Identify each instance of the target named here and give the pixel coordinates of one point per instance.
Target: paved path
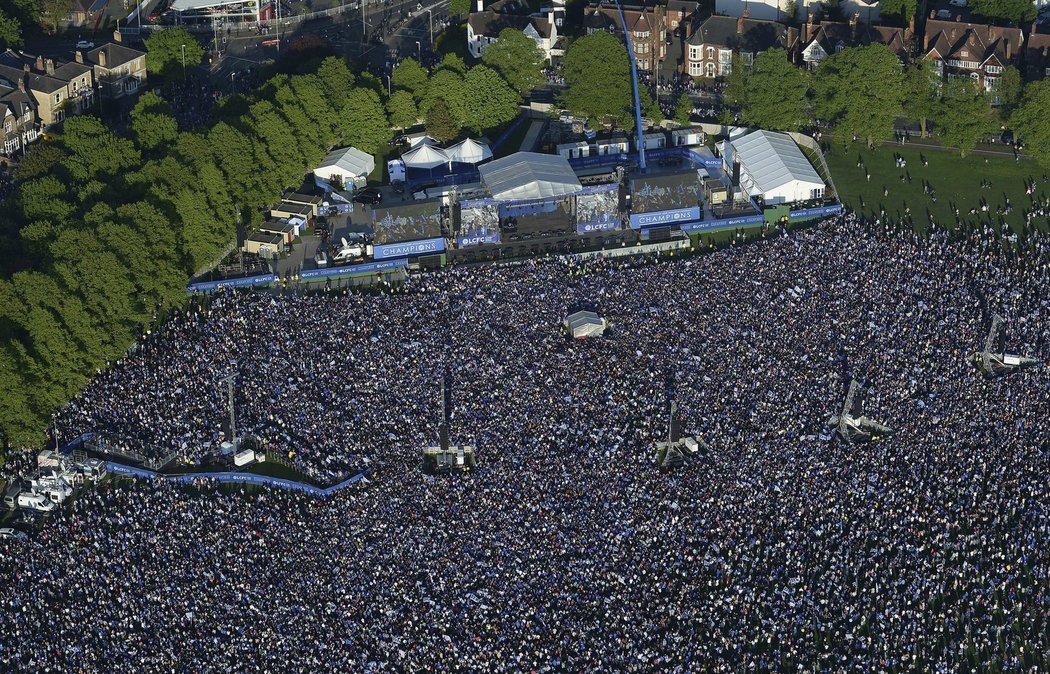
(532, 135)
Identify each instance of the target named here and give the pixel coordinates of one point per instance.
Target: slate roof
(757, 35)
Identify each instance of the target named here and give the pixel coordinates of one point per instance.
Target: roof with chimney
(1037, 55)
(982, 43)
(491, 24)
(835, 35)
(603, 15)
(116, 55)
(14, 101)
(741, 34)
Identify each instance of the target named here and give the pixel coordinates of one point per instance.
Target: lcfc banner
(591, 227)
(248, 282)
(351, 270)
(815, 212)
(671, 217)
(477, 237)
(409, 249)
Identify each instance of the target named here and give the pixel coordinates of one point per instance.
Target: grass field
(956, 182)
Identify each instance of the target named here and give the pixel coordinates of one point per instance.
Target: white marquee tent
(529, 175)
(345, 164)
(772, 166)
(583, 324)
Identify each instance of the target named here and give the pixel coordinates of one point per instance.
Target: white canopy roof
(585, 324)
(424, 156)
(348, 159)
(529, 175)
(469, 151)
(773, 160)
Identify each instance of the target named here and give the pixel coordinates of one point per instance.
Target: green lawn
(956, 181)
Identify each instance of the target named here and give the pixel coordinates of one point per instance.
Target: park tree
(861, 90)
(54, 13)
(172, 53)
(683, 110)
(459, 7)
(152, 125)
(491, 102)
(451, 87)
(922, 87)
(440, 123)
(1031, 123)
(337, 81)
(39, 160)
(402, 110)
(411, 76)
(964, 114)
(775, 92)
(454, 62)
(1017, 11)
(898, 12)
(516, 57)
(10, 32)
(95, 151)
(597, 81)
(735, 93)
(1009, 90)
(364, 122)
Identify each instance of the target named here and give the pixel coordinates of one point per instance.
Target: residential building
(119, 69)
(485, 25)
(57, 89)
(18, 110)
(778, 10)
(977, 51)
(710, 49)
(1037, 55)
(648, 23)
(820, 40)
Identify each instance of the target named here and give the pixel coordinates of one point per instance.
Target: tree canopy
(774, 93)
(597, 80)
(1017, 11)
(964, 114)
(490, 100)
(411, 76)
(1031, 123)
(402, 109)
(516, 57)
(440, 123)
(921, 86)
(861, 90)
(164, 53)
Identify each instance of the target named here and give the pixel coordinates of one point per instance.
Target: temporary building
(469, 151)
(772, 167)
(344, 165)
(583, 324)
(529, 175)
(424, 156)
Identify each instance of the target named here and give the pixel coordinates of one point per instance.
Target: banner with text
(673, 216)
(352, 270)
(409, 249)
(247, 282)
(808, 213)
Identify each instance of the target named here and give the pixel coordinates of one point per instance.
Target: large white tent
(468, 151)
(529, 175)
(345, 165)
(424, 156)
(772, 166)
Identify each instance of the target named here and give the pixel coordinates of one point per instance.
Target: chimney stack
(740, 25)
(933, 14)
(117, 37)
(102, 57)
(1009, 49)
(79, 56)
(958, 18)
(49, 66)
(481, 6)
(40, 63)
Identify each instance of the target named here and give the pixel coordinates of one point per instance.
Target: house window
(994, 70)
(725, 56)
(711, 53)
(674, 23)
(964, 54)
(725, 69)
(817, 193)
(694, 53)
(8, 125)
(695, 69)
(749, 58)
(58, 98)
(641, 36)
(711, 70)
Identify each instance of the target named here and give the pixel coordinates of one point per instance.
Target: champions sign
(409, 249)
(660, 218)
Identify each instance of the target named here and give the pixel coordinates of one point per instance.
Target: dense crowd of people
(779, 549)
(192, 99)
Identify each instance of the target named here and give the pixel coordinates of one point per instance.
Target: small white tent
(468, 151)
(424, 157)
(582, 324)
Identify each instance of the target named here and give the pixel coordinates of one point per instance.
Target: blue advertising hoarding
(807, 213)
(669, 217)
(247, 282)
(409, 249)
(352, 270)
(477, 237)
(234, 478)
(741, 221)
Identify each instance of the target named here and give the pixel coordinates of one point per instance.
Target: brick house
(977, 51)
(485, 25)
(648, 23)
(1037, 55)
(710, 49)
(820, 40)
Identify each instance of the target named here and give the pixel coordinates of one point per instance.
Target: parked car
(8, 532)
(368, 196)
(85, 44)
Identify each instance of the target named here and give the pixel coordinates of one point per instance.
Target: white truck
(53, 486)
(243, 457)
(28, 500)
